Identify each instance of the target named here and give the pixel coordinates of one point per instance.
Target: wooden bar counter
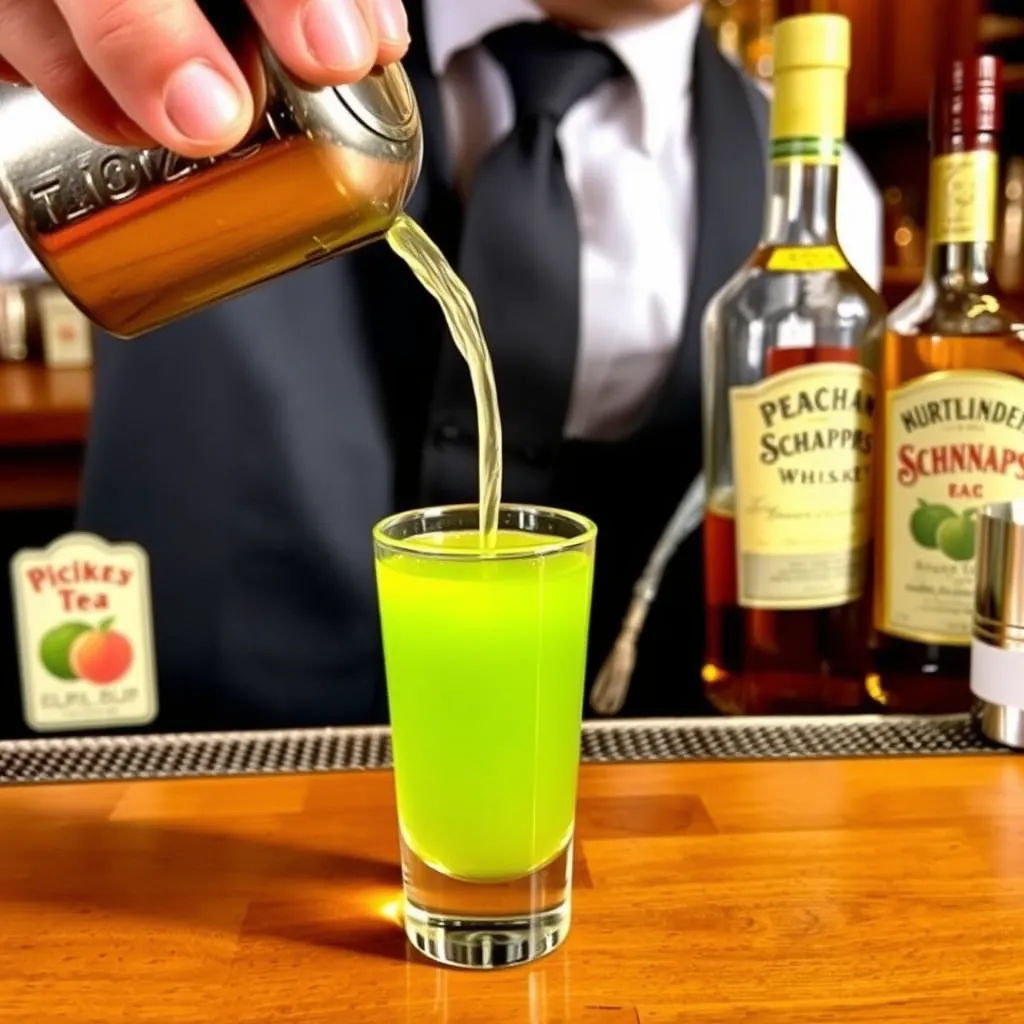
(881, 890)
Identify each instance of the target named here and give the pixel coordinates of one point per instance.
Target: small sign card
(85, 635)
(66, 333)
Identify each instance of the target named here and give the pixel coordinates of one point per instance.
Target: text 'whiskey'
(951, 430)
(791, 349)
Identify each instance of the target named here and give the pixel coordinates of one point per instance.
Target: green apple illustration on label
(955, 537)
(76, 651)
(925, 522)
(55, 649)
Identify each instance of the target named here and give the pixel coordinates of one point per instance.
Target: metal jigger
(138, 238)
(997, 644)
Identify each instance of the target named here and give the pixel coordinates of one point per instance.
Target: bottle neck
(962, 216)
(962, 266)
(801, 205)
(807, 127)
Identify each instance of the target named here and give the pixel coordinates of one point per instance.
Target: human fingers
(38, 47)
(392, 29)
(329, 42)
(167, 69)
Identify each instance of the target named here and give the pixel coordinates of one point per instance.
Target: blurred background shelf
(896, 46)
(44, 422)
(40, 406)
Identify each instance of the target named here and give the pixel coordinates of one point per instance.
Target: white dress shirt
(630, 163)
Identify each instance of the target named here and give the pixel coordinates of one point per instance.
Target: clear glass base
(487, 925)
(486, 942)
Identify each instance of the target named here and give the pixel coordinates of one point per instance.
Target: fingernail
(336, 34)
(201, 103)
(392, 20)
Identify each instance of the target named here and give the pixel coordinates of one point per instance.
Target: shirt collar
(658, 55)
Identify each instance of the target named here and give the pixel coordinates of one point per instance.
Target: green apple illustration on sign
(76, 651)
(938, 527)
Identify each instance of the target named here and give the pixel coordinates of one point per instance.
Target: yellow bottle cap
(811, 41)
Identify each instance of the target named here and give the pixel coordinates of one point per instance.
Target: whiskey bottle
(951, 397)
(791, 345)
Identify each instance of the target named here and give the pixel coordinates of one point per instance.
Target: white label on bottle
(67, 333)
(801, 454)
(954, 442)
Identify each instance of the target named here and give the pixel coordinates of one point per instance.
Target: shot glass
(485, 653)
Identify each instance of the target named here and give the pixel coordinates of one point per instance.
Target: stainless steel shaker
(138, 238)
(997, 643)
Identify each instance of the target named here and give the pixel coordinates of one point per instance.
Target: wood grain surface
(881, 891)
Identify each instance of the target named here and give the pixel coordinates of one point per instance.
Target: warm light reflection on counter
(392, 909)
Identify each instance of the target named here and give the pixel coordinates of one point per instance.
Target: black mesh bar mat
(331, 750)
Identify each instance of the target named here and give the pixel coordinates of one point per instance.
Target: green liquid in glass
(485, 661)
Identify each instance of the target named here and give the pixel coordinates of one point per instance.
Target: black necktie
(520, 254)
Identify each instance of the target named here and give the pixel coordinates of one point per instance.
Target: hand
(151, 72)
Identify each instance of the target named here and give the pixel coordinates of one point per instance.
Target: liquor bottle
(1010, 260)
(791, 345)
(40, 324)
(951, 398)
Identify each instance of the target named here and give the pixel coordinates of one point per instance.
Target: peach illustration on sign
(76, 651)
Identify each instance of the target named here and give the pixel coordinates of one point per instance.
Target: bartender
(250, 448)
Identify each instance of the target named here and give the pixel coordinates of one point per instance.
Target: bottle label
(808, 116)
(964, 195)
(801, 450)
(954, 442)
(803, 258)
(66, 333)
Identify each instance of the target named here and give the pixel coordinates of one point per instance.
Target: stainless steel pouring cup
(139, 238)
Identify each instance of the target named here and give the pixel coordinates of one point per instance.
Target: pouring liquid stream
(408, 240)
